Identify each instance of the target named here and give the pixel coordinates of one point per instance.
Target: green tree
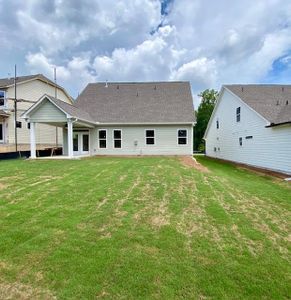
(203, 115)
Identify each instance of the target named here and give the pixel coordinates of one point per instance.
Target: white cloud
(77, 70)
(201, 71)
(203, 41)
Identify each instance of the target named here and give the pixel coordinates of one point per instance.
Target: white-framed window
(102, 138)
(182, 136)
(1, 132)
(2, 98)
(117, 138)
(238, 114)
(150, 137)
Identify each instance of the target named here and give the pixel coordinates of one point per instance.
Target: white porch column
(32, 140)
(70, 138)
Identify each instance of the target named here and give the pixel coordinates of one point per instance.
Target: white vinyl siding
(263, 147)
(48, 112)
(32, 91)
(133, 141)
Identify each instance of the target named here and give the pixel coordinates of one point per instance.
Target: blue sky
(206, 42)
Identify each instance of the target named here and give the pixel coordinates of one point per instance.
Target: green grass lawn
(142, 228)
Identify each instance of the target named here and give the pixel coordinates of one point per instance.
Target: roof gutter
(147, 123)
(278, 124)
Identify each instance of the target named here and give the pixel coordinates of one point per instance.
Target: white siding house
(154, 118)
(246, 127)
(29, 90)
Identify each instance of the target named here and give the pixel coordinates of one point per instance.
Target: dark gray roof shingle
(273, 102)
(142, 102)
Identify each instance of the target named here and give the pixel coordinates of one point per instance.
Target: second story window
(238, 114)
(2, 98)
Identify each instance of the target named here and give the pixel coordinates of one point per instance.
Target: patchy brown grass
(22, 291)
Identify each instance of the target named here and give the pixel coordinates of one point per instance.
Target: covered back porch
(75, 124)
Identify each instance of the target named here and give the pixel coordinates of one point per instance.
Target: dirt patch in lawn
(23, 291)
(2, 186)
(189, 161)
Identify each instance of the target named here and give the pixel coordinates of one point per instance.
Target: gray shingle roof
(273, 102)
(144, 102)
(72, 110)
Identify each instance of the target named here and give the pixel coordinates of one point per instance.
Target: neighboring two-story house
(29, 89)
(251, 124)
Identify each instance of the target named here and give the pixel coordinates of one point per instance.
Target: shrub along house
(251, 124)
(153, 118)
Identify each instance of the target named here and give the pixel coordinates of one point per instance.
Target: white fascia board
(214, 111)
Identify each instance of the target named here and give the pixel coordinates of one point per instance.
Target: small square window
(182, 137)
(150, 137)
